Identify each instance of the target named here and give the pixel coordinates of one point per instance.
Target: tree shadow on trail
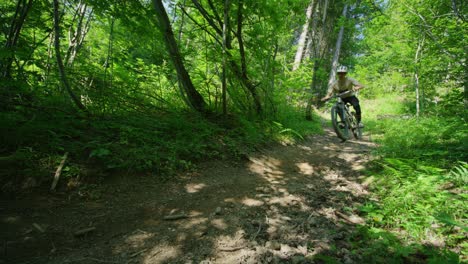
(286, 204)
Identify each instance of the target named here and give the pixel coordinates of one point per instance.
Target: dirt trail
(284, 204)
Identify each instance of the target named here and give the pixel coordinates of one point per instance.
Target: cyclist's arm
(356, 85)
(329, 93)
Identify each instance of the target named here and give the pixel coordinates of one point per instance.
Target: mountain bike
(344, 120)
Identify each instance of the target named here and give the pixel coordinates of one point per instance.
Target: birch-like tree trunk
(243, 73)
(336, 55)
(226, 38)
(58, 56)
(109, 63)
(194, 98)
(77, 35)
(416, 75)
(303, 37)
(21, 12)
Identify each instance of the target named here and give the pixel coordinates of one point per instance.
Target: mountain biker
(344, 84)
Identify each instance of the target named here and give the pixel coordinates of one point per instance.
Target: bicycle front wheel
(339, 123)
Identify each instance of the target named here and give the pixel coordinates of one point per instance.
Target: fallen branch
(175, 217)
(84, 231)
(38, 227)
(232, 249)
(58, 172)
(93, 259)
(351, 220)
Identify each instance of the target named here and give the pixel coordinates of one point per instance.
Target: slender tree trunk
(58, 56)
(311, 34)
(325, 8)
(416, 76)
(303, 37)
(22, 10)
(240, 71)
(226, 33)
(252, 88)
(76, 36)
(50, 48)
(456, 12)
(182, 22)
(108, 64)
(194, 97)
(336, 56)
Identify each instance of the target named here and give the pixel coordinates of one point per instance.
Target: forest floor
(283, 204)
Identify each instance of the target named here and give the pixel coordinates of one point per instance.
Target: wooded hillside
(153, 87)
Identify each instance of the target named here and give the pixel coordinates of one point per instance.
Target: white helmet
(342, 69)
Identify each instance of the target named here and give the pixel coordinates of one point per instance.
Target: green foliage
(419, 185)
(425, 138)
(132, 142)
(459, 174)
(377, 245)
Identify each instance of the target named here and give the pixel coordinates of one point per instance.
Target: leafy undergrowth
(419, 185)
(33, 144)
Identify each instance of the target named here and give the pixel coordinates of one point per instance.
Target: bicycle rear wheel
(339, 123)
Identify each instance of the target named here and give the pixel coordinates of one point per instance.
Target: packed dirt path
(284, 204)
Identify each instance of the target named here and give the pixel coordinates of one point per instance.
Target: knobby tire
(342, 133)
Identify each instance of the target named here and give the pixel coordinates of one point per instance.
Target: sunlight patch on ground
(305, 168)
(265, 165)
(219, 223)
(252, 202)
(277, 224)
(231, 248)
(193, 221)
(328, 213)
(162, 254)
(134, 242)
(286, 201)
(306, 148)
(137, 239)
(194, 187)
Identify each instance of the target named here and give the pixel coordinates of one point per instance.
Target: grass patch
(418, 211)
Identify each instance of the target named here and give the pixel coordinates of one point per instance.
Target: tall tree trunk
(311, 34)
(50, 48)
(63, 75)
(416, 75)
(325, 8)
(21, 12)
(77, 35)
(250, 86)
(456, 12)
(336, 55)
(226, 38)
(182, 21)
(109, 63)
(240, 71)
(193, 96)
(303, 37)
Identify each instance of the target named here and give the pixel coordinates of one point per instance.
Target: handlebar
(344, 93)
(339, 95)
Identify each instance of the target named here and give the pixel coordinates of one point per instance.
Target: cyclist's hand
(357, 88)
